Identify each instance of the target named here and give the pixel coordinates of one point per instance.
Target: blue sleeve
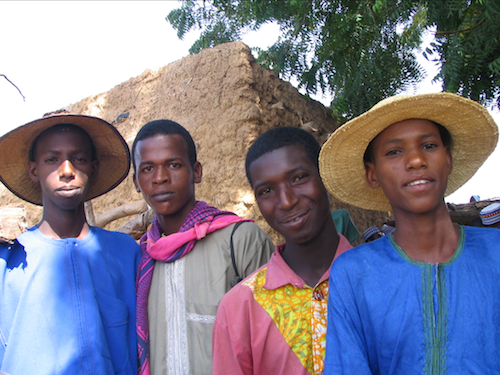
(346, 351)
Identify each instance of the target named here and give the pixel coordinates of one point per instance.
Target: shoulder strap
(238, 278)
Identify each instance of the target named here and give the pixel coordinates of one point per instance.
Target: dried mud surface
(225, 100)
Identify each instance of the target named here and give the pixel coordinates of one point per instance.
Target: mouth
(418, 182)
(161, 197)
(69, 191)
(294, 220)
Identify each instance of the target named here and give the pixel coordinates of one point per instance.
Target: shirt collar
(279, 273)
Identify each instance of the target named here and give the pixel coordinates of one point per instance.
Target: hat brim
(112, 153)
(472, 128)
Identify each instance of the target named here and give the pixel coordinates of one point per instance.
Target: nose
(67, 169)
(160, 176)
(416, 159)
(288, 198)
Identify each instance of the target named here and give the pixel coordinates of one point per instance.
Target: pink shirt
(272, 322)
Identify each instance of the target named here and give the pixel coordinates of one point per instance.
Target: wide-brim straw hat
(472, 128)
(111, 150)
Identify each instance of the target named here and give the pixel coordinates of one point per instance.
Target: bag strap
(238, 278)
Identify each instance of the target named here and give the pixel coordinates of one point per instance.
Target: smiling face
(411, 165)
(63, 167)
(290, 193)
(166, 178)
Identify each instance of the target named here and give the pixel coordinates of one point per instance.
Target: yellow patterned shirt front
(300, 314)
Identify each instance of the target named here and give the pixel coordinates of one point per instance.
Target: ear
(95, 168)
(137, 188)
(371, 176)
(32, 172)
(450, 159)
(197, 172)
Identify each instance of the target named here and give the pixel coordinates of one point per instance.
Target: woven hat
(472, 128)
(490, 214)
(111, 151)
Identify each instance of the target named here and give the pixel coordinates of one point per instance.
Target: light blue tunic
(68, 306)
(388, 314)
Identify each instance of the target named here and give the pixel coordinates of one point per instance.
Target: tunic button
(318, 295)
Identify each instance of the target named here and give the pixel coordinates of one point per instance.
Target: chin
(71, 207)
(300, 240)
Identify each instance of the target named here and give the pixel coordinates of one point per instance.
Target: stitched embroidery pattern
(207, 319)
(177, 343)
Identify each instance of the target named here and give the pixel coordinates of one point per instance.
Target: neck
(311, 260)
(172, 223)
(64, 223)
(430, 238)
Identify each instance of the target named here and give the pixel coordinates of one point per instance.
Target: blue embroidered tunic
(68, 306)
(388, 314)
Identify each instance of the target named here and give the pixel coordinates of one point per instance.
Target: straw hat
(111, 151)
(473, 130)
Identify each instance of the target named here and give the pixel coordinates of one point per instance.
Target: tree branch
(12, 83)
(104, 218)
(138, 225)
(460, 31)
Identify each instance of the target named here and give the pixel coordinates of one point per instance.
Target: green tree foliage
(360, 51)
(468, 47)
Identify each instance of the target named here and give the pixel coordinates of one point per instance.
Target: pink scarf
(202, 219)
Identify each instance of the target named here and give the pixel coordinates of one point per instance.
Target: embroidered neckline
(454, 257)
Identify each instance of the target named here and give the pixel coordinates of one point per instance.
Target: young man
(274, 322)
(424, 299)
(192, 254)
(67, 290)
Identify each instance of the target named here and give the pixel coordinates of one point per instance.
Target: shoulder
(243, 291)
(487, 239)
(115, 239)
(365, 259)
(241, 231)
(118, 236)
(481, 233)
(374, 250)
(32, 234)
(248, 229)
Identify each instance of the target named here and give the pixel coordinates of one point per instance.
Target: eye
(264, 191)
(79, 159)
(147, 168)
(50, 159)
(175, 165)
(429, 146)
(392, 152)
(299, 177)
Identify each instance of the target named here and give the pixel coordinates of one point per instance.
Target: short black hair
(445, 135)
(280, 137)
(165, 127)
(60, 128)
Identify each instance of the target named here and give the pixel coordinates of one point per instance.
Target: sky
(60, 52)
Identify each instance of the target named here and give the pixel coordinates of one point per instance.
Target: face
(290, 193)
(63, 167)
(165, 176)
(411, 165)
